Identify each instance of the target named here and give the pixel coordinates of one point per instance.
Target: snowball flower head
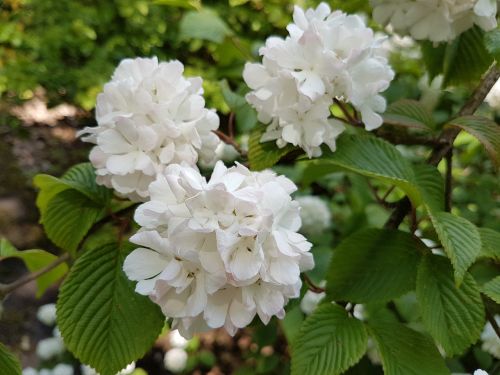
(30, 371)
(315, 215)
(176, 340)
(435, 20)
(149, 116)
(491, 342)
(47, 314)
(216, 253)
(480, 372)
(175, 360)
(326, 56)
(62, 369)
(310, 301)
(50, 347)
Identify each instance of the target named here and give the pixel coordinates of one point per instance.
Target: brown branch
(407, 139)
(312, 287)
(230, 125)
(8, 288)
(350, 118)
(447, 138)
(492, 321)
(230, 141)
(448, 181)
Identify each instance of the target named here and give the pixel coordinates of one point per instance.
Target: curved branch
(446, 139)
(8, 288)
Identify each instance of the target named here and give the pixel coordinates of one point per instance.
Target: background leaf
(492, 289)
(104, 323)
(204, 24)
(374, 265)
(410, 113)
(405, 351)
(329, 342)
(485, 130)
(463, 60)
(492, 43)
(460, 239)
(490, 243)
(246, 116)
(454, 316)
(8, 362)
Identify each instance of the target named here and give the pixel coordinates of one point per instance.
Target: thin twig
(230, 125)
(312, 287)
(448, 181)
(381, 200)
(8, 288)
(389, 191)
(446, 139)
(414, 221)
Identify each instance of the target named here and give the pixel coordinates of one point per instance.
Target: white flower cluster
(435, 20)
(315, 215)
(326, 56)
(149, 116)
(216, 253)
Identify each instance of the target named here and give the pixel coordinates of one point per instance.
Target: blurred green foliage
(70, 47)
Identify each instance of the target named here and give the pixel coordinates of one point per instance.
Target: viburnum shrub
(166, 225)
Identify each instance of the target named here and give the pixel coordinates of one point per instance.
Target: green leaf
(374, 265)
(376, 158)
(329, 342)
(204, 24)
(433, 57)
(460, 239)
(69, 217)
(409, 113)
(454, 316)
(485, 130)
(492, 289)
(104, 323)
(490, 241)
(291, 323)
(405, 351)
(264, 155)
(8, 362)
(80, 177)
(492, 43)
(463, 60)
(431, 186)
(35, 260)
